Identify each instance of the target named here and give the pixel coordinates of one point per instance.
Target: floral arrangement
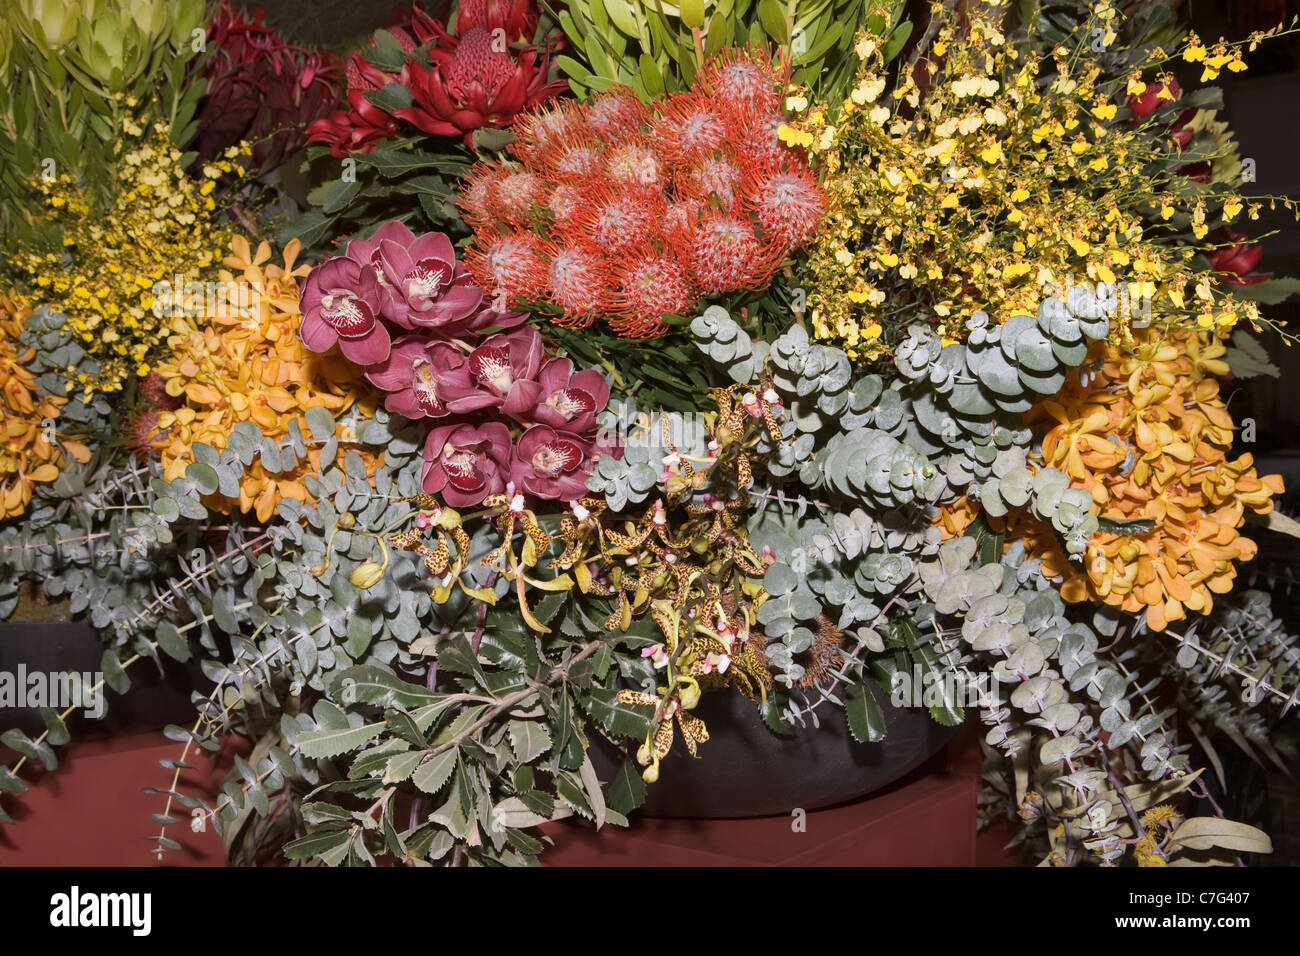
(778, 350)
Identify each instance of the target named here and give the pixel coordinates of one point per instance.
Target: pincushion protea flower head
(630, 211)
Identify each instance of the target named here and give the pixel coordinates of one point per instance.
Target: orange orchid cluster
(1145, 430)
(243, 361)
(33, 453)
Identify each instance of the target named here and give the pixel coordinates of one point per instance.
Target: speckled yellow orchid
(33, 452)
(246, 362)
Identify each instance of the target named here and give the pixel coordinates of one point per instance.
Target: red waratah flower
(649, 288)
(432, 290)
(340, 304)
(475, 81)
(552, 465)
(518, 18)
(260, 89)
(569, 401)
(359, 128)
(510, 267)
(465, 463)
(505, 369)
(416, 375)
(788, 206)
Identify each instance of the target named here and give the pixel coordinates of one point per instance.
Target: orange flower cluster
(32, 451)
(243, 361)
(1146, 431)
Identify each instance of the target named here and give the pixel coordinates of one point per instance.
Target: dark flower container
(746, 770)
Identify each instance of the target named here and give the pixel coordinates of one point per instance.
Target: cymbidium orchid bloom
(552, 465)
(424, 285)
(418, 375)
(340, 304)
(569, 400)
(505, 367)
(464, 463)
(402, 307)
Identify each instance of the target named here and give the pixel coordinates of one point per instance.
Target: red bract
(517, 18)
(475, 81)
(359, 128)
(1152, 98)
(630, 211)
(260, 89)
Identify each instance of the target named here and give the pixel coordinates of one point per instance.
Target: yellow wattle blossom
(33, 452)
(245, 362)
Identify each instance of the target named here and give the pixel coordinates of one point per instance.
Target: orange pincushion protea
(631, 212)
(247, 363)
(1147, 434)
(27, 416)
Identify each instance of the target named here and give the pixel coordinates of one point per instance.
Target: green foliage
(85, 80)
(658, 47)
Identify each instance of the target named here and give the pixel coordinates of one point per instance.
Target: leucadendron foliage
(90, 71)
